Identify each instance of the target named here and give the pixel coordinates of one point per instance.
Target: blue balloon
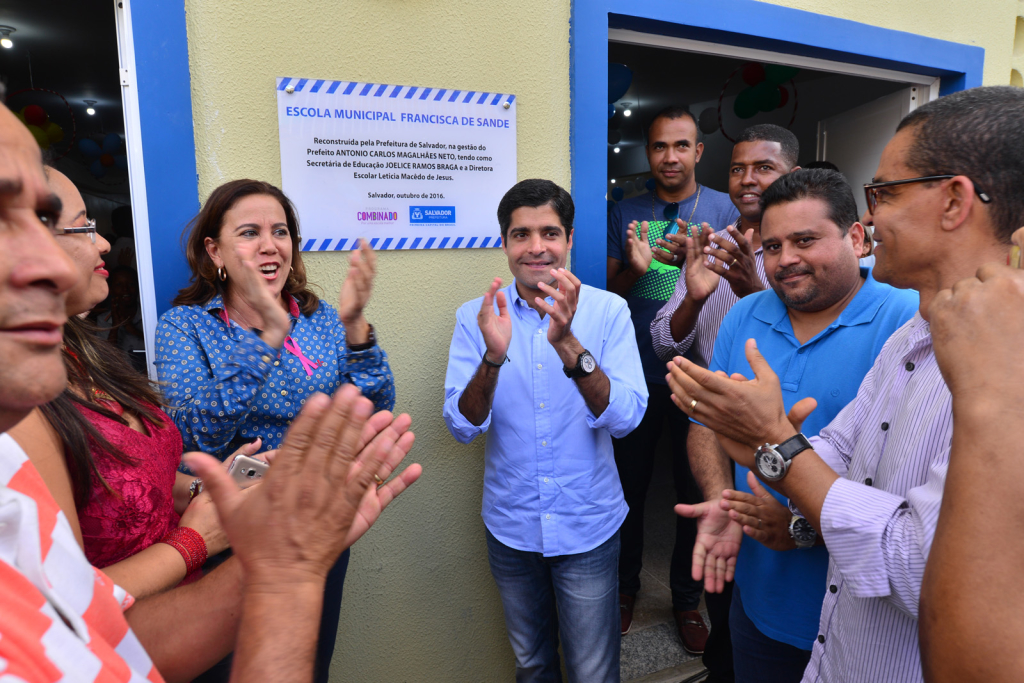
(619, 78)
(89, 148)
(111, 143)
(611, 111)
(650, 184)
(96, 168)
(121, 162)
(618, 193)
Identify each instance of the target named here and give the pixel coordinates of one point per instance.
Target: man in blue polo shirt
(821, 327)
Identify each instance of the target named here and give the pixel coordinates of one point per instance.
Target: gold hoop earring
(222, 275)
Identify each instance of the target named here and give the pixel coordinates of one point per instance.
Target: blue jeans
(584, 587)
(756, 658)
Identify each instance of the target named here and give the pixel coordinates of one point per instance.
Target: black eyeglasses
(671, 212)
(871, 189)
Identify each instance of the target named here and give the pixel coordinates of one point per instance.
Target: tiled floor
(652, 644)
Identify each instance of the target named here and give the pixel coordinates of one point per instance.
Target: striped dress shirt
(891, 448)
(702, 337)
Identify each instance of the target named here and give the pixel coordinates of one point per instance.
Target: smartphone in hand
(247, 471)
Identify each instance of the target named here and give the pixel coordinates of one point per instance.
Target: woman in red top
(107, 451)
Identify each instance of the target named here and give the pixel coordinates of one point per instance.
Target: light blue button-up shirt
(550, 482)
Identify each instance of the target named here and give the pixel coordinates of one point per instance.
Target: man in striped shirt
(63, 620)
(945, 202)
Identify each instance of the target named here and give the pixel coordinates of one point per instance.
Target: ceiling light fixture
(613, 181)
(616, 150)
(628, 112)
(5, 36)
(89, 108)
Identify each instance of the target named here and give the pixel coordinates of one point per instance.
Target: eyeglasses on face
(871, 189)
(89, 228)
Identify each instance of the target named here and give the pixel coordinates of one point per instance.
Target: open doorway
(840, 113)
(62, 79)
(845, 118)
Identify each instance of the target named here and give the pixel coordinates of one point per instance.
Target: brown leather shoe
(626, 603)
(692, 631)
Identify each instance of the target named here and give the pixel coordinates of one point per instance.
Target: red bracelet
(190, 544)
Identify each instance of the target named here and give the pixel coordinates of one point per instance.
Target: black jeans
(634, 456)
(718, 651)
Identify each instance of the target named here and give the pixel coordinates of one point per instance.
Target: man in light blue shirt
(821, 326)
(549, 369)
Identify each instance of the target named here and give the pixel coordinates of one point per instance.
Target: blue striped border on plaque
(391, 243)
(408, 92)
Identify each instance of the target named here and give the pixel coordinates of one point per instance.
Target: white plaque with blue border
(403, 166)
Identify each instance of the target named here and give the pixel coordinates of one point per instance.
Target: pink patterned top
(140, 511)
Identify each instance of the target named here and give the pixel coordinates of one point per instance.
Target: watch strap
(492, 364)
(795, 444)
(371, 341)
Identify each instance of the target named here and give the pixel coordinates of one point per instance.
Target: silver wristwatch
(802, 533)
(772, 461)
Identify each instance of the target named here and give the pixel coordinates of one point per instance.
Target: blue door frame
(168, 143)
(743, 23)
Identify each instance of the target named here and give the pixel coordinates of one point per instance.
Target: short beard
(817, 296)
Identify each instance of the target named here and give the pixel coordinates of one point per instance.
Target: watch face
(770, 464)
(803, 533)
(588, 363)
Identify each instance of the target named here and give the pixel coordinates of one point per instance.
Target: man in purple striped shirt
(871, 482)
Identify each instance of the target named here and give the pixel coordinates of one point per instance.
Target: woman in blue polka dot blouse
(247, 341)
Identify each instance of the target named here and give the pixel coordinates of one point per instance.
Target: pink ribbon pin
(308, 365)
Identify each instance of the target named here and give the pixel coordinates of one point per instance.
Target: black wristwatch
(802, 533)
(585, 364)
(773, 461)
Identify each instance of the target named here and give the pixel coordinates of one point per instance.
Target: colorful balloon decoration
(38, 119)
(650, 184)
(765, 92)
(103, 156)
(38, 122)
(618, 193)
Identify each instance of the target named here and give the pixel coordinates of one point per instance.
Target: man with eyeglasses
(945, 202)
(643, 267)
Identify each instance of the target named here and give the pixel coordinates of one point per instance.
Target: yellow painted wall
(420, 604)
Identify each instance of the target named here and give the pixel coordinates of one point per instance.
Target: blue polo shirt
(783, 591)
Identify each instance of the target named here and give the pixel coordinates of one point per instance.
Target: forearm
(357, 330)
(475, 402)
(595, 387)
(683, 321)
(806, 485)
(622, 282)
(280, 623)
(181, 492)
(970, 617)
(711, 467)
(187, 630)
(153, 570)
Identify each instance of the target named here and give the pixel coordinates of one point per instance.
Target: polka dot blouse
(226, 386)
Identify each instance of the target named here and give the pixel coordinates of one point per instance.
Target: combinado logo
(376, 216)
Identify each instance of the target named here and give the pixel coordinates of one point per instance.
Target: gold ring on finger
(693, 405)
(380, 482)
